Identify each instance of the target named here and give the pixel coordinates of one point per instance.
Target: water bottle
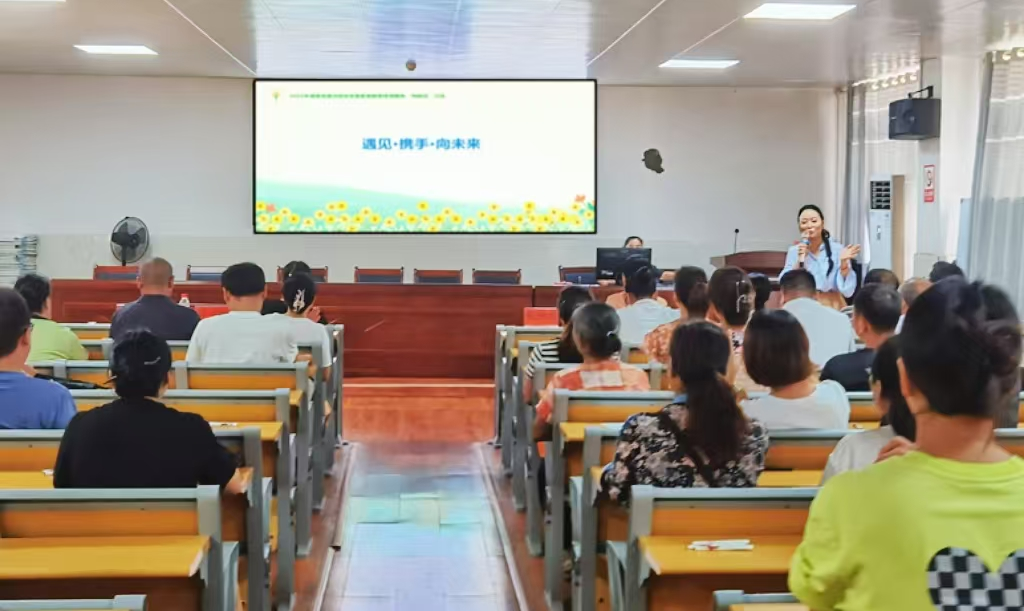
(184, 301)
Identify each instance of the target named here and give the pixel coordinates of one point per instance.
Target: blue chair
(481, 276)
(577, 275)
(437, 276)
(380, 276)
(203, 274)
(115, 272)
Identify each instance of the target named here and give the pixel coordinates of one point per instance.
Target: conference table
(391, 330)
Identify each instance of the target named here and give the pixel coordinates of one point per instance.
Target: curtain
(872, 155)
(996, 252)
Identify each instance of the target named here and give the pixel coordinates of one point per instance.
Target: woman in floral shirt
(702, 439)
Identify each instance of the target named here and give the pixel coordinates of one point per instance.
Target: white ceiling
(615, 41)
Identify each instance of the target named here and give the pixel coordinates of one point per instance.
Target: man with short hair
(828, 331)
(154, 310)
(882, 276)
(26, 402)
(876, 311)
(243, 335)
(944, 269)
(909, 291)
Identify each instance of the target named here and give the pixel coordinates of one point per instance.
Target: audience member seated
(563, 349)
(595, 330)
(882, 276)
(50, 341)
(731, 297)
(692, 294)
(909, 291)
(136, 441)
(940, 526)
(243, 335)
(26, 402)
(776, 354)
(944, 269)
(876, 311)
(859, 451)
(625, 298)
(645, 313)
(154, 310)
(762, 291)
(702, 439)
(278, 306)
(299, 292)
(828, 330)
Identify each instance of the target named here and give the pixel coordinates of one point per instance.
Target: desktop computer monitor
(610, 261)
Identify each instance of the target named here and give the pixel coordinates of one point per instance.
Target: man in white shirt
(909, 291)
(645, 313)
(829, 331)
(243, 335)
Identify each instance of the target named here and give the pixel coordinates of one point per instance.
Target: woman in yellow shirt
(942, 526)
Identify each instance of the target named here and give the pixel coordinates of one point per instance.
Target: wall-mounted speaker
(915, 118)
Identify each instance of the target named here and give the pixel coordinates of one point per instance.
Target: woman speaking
(827, 260)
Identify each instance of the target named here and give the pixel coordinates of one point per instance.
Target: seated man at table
(138, 442)
(876, 311)
(644, 314)
(154, 310)
(828, 330)
(26, 402)
(243, 335)
(50, 341)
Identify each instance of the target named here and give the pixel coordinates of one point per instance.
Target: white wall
(78, 153)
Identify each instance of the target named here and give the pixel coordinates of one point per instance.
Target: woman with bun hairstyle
(942, 525)
(691, 285)
(595, 329)
(136, 441)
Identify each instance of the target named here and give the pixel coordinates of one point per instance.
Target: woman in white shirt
(777, 355)
(645, 313)
(859, 450)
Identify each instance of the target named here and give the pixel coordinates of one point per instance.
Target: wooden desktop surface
(269, 431)
(770, 607)
(671, 556)
(768, 479)
(40, 480)
(102, 557)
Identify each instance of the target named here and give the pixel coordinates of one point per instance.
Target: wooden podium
(767, 262)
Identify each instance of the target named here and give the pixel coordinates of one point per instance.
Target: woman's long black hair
(826, 237)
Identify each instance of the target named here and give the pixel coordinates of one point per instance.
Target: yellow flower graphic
(434, 228)
(519, 218)
(352, 228)
(529, 206)
(456, 219)
(589, 214)
(286, 211)
(493, 218)
(482, 214)
(331, 219)
(389, 223)
(541, 228)
(447, 212)
(271, 228)
(375, 219)
(261, 206)
(423, 206)
(320, 214)
(507, 218)
(294, 219)
(515, 228)
(470, 222)
(563, 217)
(344, 218)
(495, 207)
(262, 219)
(401, 214)
(439, 219)
(534, 218)
(359, 219)
(365, 212)
(331, 207)
(412, 219)
(548, 218)
(576, 222)
(341, 206)
(276, 219)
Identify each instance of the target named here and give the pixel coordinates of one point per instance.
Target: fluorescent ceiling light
(700, 64)
(796, 11)
(116, 49)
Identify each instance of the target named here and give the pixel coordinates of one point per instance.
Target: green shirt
(53, 342)
(878, 539)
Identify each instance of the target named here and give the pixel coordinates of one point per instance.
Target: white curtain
(997, 224)
(872, 155)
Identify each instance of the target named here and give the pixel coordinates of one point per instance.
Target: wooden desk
(401, 330)
(789, 479)
(770, 607)
(686, 580)
(165, 569)
(547, 296)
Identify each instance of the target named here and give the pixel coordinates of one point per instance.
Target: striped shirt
(543, 352)
(605, 375)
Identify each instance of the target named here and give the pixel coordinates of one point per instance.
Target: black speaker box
(915, 118)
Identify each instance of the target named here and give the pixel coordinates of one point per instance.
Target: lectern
(767, 262)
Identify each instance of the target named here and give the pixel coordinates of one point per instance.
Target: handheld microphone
(806, 241)
(735, 239)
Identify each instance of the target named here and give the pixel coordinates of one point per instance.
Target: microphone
(735, 239)
(806, 241)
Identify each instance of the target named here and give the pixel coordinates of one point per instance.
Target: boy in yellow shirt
(940, 527)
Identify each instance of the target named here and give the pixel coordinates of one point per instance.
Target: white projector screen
(425, 156)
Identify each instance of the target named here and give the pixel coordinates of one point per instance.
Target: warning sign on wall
(929, 184)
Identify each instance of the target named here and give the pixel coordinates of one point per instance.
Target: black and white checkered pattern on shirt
(958, 580)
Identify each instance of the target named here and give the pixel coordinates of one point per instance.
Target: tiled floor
(418, 533)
